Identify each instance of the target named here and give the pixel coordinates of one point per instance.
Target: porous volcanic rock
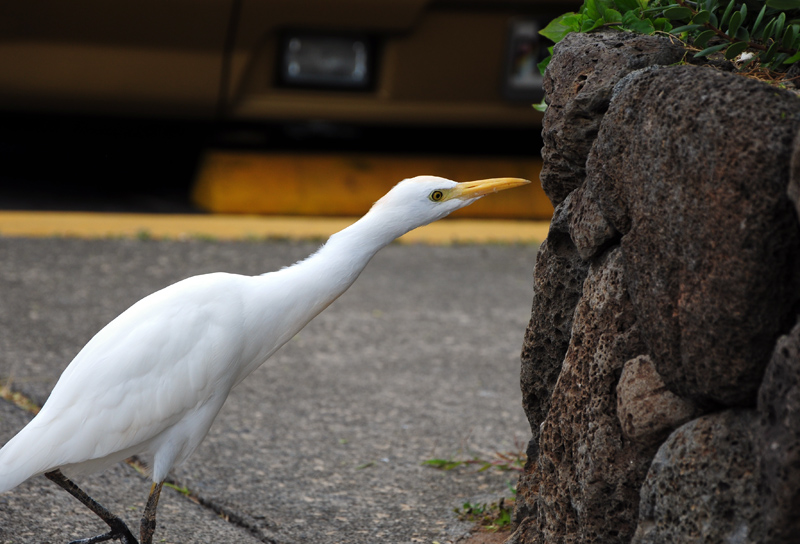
(702, 485)
(677, 188)
(778, 439)
(794, 181)
(587, 475)
(558, 278)
(589, 230)
(646, 409)
(696, 183)
(570, 126)
(578, 85)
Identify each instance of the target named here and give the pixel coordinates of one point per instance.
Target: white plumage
(152, 381)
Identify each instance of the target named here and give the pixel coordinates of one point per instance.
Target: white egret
(152, 381)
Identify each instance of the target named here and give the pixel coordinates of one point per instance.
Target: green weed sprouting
(495, 516)
(502, 461)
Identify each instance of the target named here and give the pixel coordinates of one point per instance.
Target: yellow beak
(475, 189)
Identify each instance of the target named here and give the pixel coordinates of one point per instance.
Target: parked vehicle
(421, 62)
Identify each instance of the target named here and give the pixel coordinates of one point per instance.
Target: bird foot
(120, 532)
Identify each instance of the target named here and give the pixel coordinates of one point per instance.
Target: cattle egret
(152, 381)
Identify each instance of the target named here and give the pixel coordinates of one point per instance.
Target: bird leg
(148, 526)
(119, 531)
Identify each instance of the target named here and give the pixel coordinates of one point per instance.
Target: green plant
(494, 516)
(753, 31)
(503, 461)
(183, 490)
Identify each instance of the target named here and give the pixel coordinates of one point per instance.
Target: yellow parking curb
(243, 227)
(318, 184)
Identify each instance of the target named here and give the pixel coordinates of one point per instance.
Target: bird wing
(162, 358)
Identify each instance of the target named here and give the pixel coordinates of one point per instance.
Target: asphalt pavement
(325, 442)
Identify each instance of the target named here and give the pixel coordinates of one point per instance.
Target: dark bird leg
(119, 531)
(148, 526)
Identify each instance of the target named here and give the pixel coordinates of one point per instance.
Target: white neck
(348, 252)
(314, 283)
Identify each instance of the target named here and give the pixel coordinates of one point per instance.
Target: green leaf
(759, 18)
(642, 27)
(678, 12)
(541, 106)
(662, 24)
(727, 14)
(702, 39)
(657, 9)
(442, 464)
(590, 9)
(631, 22)
(542, 66)
(572, 20)
(742, 34)
(735, 49)
(629, 17)
(589, 25)
(767, 31)
(789, 36)
(603, 5)
(627, 5)
(778, 26)
(612, 16)
(794, 58)
(560, 27)
(784, 5)
(702, 17)
(684, 28)
(708, 50)
(736, 22)
(767, 56)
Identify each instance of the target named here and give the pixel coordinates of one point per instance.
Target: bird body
(152, 381)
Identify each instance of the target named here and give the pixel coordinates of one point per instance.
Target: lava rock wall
(661, 367)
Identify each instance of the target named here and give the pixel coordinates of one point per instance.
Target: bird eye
(436, 196)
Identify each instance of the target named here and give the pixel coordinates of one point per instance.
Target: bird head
(424, 199)
(410, 204)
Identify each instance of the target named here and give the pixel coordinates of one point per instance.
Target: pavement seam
(224, 513)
